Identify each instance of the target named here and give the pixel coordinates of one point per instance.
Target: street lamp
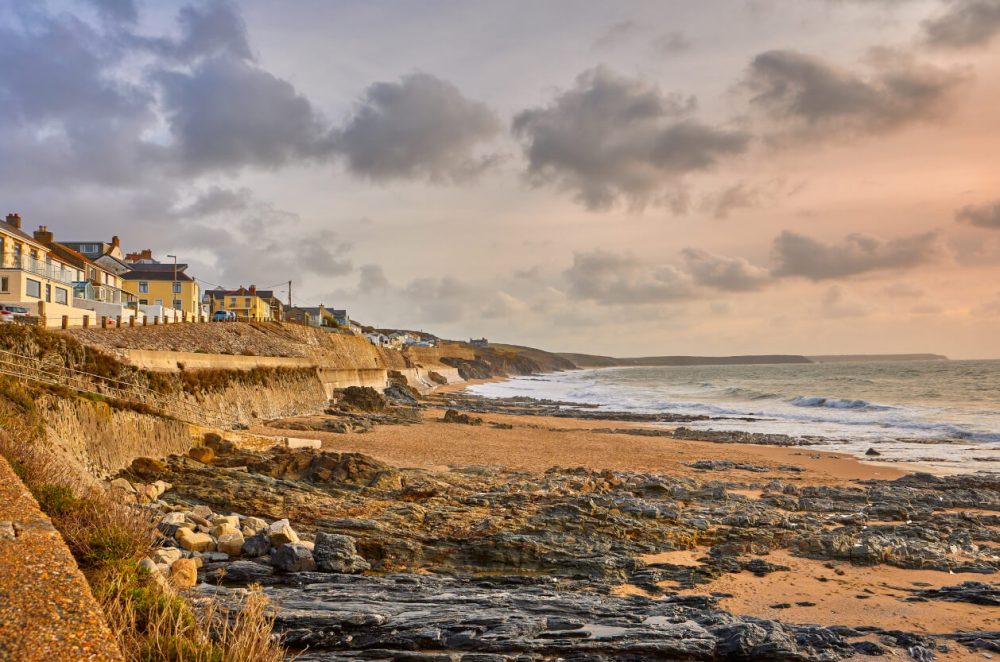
(173, 285)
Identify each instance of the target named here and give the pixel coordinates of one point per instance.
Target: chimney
(15, 220)
(43, 235)
(253, 289)
(146, 254)
(115, 242)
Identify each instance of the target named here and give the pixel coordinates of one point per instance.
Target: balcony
(103, 293)
(38, 267)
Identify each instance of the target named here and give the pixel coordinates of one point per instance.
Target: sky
(627, 178)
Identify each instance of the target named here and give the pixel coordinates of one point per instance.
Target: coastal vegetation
(109, 537)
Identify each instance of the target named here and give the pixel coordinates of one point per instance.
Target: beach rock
(183, 574)
(293, 557)
(147, 467)
(256, 545)
(123, 485)
(231, 543)
(202, 454)
(453, 416)
(202, 511)
(254, 524)
(223, 529)
(363, 398)
(195, 542)
(166, 555)
(872, 452)
(337, 553)
(281, 532)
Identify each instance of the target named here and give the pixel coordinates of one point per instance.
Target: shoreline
(932, 466)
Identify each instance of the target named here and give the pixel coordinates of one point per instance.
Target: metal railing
(32, 369)
(104, 293)
(38, 267)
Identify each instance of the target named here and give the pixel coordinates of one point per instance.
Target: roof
(140, 272)
(69, 255)
(19, 233)
(242, 292)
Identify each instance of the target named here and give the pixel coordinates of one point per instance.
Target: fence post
(156, 320)
(65, 321)
(118, 322)
(131, 322)
(145, 319)
(86, 321)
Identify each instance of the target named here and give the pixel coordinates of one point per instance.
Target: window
(177, 287)
(62, 296)
(232, 302)
(33, 288)
(143, 287)
(158, 302)
(248, 302)
(143, 302)
(4, 284)
(177, 304)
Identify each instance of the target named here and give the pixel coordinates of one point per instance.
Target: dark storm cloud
(964, 23)
(612, 138)
(227, 113)
(804, 94)
(671, 43)
(420, 127)
(123, 11)
(216, 200)
(799, 255)
(982, 216)
(733, 274)
(610, 278)
(62, 115)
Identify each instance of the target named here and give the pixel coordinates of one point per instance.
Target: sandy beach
(811, 591)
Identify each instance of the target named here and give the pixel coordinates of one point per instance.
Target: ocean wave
(837, 403)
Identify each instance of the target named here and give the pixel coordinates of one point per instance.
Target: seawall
(47, 611)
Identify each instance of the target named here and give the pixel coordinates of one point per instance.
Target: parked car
(223, 316)
(6, 317)
(15, 310)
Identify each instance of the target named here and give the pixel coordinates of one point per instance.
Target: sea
(943, 415)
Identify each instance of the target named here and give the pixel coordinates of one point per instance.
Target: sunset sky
(627, 178)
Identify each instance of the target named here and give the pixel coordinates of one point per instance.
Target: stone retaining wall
(47, 611)
(102, 440)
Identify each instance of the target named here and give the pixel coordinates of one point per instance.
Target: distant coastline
(596, 361)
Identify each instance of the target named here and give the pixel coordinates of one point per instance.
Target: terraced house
(33, 276)
(159, 286)
(249, 303)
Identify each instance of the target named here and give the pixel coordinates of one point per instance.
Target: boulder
(147, 467)
(337, 553)
(123, 485)
(173, 518)
(184, 573)
(293, 557)
(202, 454)
(256, 545)
(161, 487)
(195, 542)
(231, 520)
(166, 555)
(453, 416)
(872, 452)
(281, 533)
(254, 524)
(231, 543)
(223, 529)
(202, 511)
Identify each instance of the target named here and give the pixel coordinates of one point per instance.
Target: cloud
(806, 96)
(215, 200)
(226, 113)
(903, 291)
(123, 11)
(837, 303)
(965, 23)
(610, 278)
(671, 43)
(615, 34)
(612, 138)
(733, 274)
(421, 127)
(799, 255)
(720, 204)
(981, 216)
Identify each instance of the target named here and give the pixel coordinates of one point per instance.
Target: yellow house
(167, 285)
(32, 277)
(246, 302)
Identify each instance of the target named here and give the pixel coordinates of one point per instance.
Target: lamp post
(173, 285)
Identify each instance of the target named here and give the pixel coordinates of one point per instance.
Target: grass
(109, 536)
